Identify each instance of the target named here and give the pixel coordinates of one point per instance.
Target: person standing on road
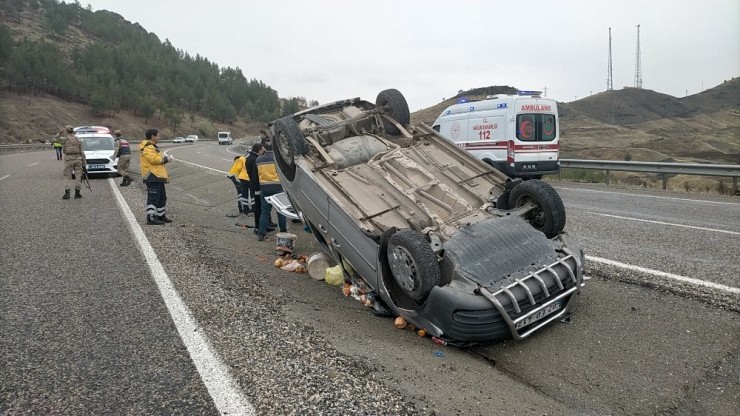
(154, 175)
(239, 175)
(269, 186)
(74, 162)
(57, 145)
(123, 153)
(232, 175)
(264, 137)
(256, 151)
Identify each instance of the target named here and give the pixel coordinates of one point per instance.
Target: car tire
(549, 216)
(288, 143)
(396, 106)
(413, 264)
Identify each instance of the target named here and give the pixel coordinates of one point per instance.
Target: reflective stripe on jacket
(152, 163)
(239, 170)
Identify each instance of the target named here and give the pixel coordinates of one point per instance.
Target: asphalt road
(88, 328)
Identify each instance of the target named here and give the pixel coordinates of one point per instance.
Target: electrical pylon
(609, 79)
(638, 65)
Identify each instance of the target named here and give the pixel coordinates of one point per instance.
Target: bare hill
(28, 119)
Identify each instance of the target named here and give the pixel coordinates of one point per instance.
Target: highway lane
(83, 328)
(665, 236)
(292, 343)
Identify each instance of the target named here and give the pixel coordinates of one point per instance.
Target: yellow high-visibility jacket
(152, 163)
(269, 179)
(239, 170)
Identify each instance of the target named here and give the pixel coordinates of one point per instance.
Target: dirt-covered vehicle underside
(428, 231)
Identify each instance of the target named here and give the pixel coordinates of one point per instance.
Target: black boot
(153, 221)
(164, 218)
(77, 194)
(66, 194)
(126, 181)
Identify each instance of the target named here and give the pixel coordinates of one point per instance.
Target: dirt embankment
(29, 119)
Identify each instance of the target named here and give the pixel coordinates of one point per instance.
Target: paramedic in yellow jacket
(239, 175)
(269, 185)
(154, 174)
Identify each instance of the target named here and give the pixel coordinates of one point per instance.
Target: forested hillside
(101, 60)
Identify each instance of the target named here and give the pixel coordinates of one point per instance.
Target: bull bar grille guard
(506, 291)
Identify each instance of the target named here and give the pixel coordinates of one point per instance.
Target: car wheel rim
(403, 268)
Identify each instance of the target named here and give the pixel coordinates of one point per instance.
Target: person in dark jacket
(269, 186)
(256, 151)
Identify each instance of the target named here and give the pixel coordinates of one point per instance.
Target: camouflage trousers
(123, 163)
(73, 165)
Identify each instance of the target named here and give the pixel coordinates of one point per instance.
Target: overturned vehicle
(428, 231)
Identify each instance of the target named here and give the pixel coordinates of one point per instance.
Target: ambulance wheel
(413, 264)
(396, 106)
(548, 215)
(289, 142)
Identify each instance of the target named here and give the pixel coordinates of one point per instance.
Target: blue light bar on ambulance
(533, 93)
(462, 100)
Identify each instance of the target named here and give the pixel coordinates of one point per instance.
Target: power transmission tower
(638, 65)
(609, 78)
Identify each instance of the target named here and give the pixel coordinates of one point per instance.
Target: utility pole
(638, 65)
(609, 79)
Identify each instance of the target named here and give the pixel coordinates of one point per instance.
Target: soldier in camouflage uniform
(74, 162)
(123, 153)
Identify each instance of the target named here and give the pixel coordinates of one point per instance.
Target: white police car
(98, 145)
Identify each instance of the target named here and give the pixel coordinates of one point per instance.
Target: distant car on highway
(423, 228)
(193, 138)
(177, 140)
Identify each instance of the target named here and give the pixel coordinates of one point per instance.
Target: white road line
(35, 163)
(6, 176)
(226, 395)
(195, 164)
(666, 223)
(680, 278)
(650, 196)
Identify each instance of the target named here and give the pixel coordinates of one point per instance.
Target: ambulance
(518, 134)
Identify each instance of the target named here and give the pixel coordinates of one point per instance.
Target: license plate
(91, 167)
(538, 315)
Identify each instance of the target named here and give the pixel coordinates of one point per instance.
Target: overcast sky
(327, 50)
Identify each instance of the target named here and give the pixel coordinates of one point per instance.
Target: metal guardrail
(662, 168)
